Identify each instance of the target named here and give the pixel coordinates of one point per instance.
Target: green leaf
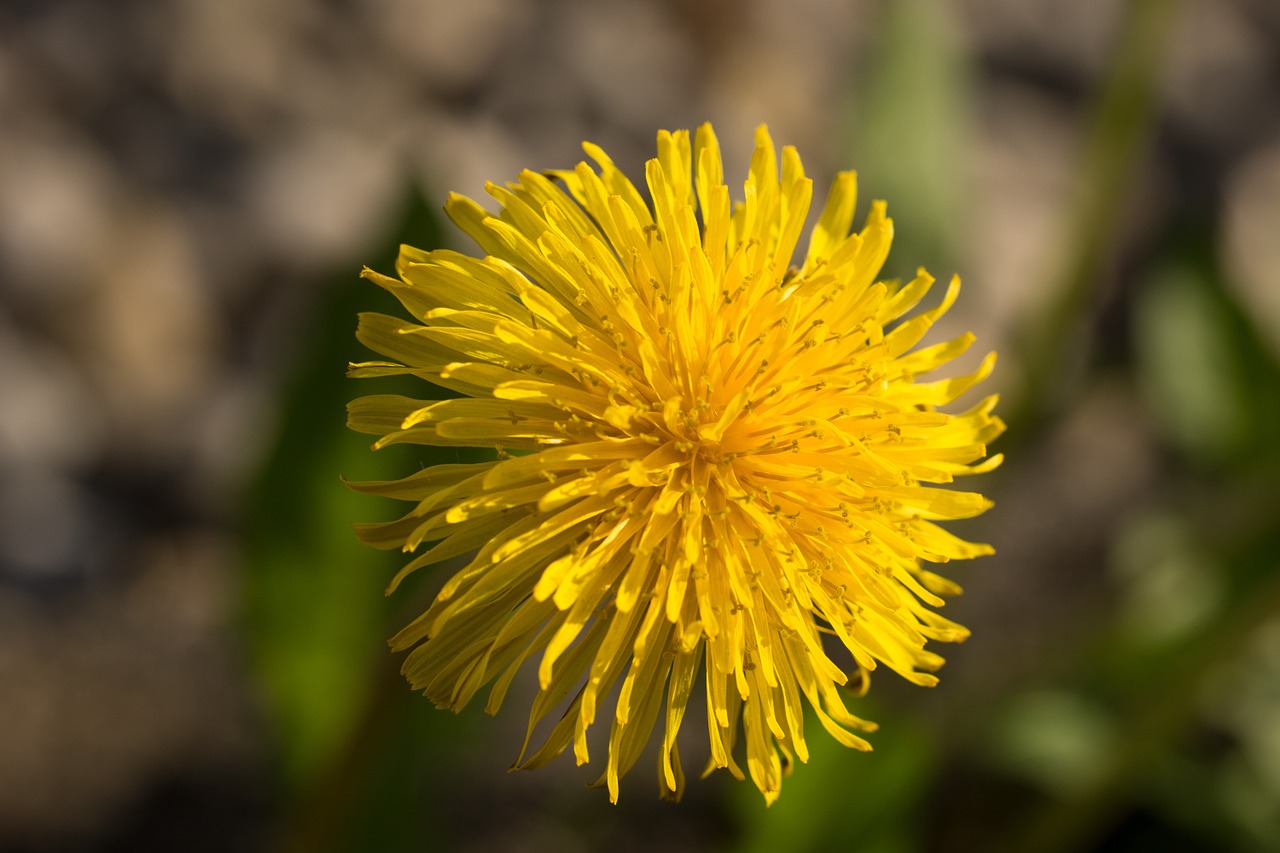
(1209, 381)
(847, 800)
(315, 614)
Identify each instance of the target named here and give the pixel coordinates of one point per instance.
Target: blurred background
(192, 642)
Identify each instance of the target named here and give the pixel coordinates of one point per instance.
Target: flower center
(711, 451)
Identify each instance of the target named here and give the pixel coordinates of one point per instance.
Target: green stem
(321, 817)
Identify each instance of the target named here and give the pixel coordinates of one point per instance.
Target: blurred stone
(320, 196)
(1216, 74)
(231, 433)
(145, 330)
(58, 424)
(49, 531)
(463, 156)
(8, 74)
(55, 211)
(1047, 32)
(48, 534)
(109, 691)
(1026, 161)
(792, 65)
(246, 84)
(1057, 511)
(76, 49)
(452, 46)
(1249, 239)
(635, 65)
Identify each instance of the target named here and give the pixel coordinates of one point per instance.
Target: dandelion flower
(714, 470)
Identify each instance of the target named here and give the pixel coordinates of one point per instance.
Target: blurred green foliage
(314, 604)
(911, 135)
(316, 615)
(839, 801)
(1209, 379)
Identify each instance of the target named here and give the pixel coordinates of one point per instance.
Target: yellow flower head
(712, 466)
